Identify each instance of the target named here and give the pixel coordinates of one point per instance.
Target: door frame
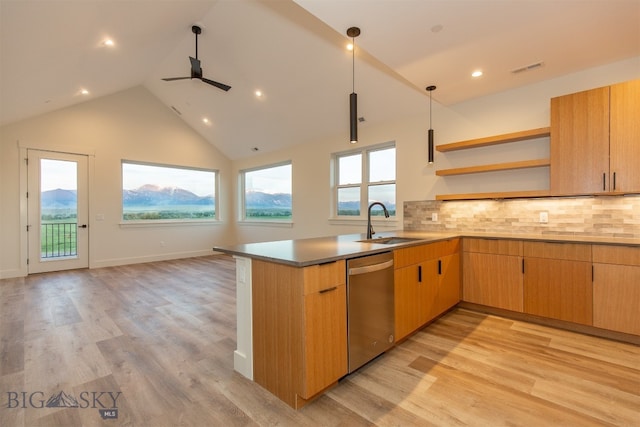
(23, 249)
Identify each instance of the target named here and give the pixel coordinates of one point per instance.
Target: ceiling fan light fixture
(196, 69)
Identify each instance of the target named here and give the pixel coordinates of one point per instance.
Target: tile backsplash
(606, 216)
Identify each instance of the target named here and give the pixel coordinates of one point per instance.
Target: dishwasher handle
(370, 268)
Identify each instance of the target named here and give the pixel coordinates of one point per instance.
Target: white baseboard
(113, 262)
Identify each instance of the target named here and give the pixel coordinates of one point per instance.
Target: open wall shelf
(495, 140)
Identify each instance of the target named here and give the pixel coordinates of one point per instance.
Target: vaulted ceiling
(294, 53)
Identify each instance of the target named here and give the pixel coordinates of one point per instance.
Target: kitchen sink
(390, 240)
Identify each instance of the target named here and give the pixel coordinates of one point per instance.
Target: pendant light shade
(353, 32)
(430, 133)
(353, 116)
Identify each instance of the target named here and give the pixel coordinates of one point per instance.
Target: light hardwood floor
(163, 335)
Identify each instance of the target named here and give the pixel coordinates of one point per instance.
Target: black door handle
(82, 226)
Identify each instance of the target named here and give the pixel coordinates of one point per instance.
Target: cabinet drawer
(493, 246)
(324, 276)
(416, 254)
(621, 255)
(565, 251)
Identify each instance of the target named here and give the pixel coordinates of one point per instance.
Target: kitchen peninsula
(291, 295)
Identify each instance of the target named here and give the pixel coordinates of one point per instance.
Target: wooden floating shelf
(494, 140)
(496, 195)
(524, 164)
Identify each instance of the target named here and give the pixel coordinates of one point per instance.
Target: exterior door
(58, 211)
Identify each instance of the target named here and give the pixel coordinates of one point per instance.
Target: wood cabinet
(624, 137)
(557, 281)
(616, 288)
(492, 273)
(299, 328)
(427, 283)
(595, 141)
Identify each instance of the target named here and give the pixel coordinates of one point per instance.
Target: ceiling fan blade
(168, 79)
(217, 84)
(196, 71)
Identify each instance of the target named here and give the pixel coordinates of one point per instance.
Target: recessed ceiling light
(258, 93)
(476, 73)
(84, 92)
(350, 46)
(108, 42)
(206, 121)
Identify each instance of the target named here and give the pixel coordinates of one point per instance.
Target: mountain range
(153, 195)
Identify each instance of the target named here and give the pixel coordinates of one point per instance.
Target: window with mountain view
(365, 176)
(266, 193)
(161, 192)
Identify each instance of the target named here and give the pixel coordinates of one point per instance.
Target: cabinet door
(579, 143)
(407, 299)
(325, 339)
(558, 289)
(616, 298)
(448, 284)
(493, 280)
(625, 136)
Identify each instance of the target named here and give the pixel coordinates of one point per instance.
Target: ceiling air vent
(527, 67)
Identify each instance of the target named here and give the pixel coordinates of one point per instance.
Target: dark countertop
(304, 252)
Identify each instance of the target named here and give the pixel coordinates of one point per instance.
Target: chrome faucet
(370, 231)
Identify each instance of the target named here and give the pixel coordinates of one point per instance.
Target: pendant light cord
(353, 64)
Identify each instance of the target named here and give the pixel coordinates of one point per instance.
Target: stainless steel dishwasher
(370, 307)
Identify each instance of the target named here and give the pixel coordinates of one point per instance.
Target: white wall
(134, 125)
(131, 125)
(510, 111)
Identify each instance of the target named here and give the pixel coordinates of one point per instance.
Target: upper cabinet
(595, 141)
(624, 136)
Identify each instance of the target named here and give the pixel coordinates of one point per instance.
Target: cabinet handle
(420, 273)
(604, 181)
(328, 289)
(439, 266)
(614, 180)
(522, 265)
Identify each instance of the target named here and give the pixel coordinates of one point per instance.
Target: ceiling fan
(196, 70)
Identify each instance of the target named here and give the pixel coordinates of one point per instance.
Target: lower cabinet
(299, 328)
(427, 283)
(492, 273)
(557, 281)
(616, 288)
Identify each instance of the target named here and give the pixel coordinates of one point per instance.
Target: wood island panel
(299, 328)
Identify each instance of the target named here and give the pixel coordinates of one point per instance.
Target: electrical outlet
(544, 217)
(434, 217)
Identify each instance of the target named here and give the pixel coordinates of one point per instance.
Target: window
(363, 177)
(161, 192)
(266, 193)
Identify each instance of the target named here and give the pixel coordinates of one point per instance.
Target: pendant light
(430, 147)
(353, 32)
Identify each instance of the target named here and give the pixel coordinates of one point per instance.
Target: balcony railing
(59, 239)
